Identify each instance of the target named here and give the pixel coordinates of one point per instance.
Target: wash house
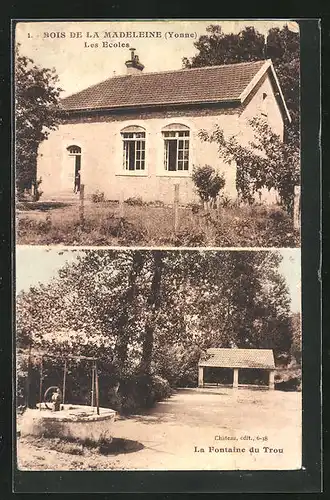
(236, 367)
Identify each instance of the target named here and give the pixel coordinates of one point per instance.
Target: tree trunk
(153, 303)
(123, 336)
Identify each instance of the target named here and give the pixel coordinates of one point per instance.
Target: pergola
(41, 355)
(237, 359)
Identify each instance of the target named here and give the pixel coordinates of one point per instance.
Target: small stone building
(137, 134)
(231, 364)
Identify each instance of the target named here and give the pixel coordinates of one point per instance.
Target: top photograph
(157, 133)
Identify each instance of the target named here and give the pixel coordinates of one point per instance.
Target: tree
(146, 313)
(36, 103)
(218, 48)
(282, 46)
(296, 348)
(266, 162)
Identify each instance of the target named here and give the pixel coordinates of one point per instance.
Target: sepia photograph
(157, 133)
(158, 293)
(158, 360)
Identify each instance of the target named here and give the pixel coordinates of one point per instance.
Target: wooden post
(64, 381)
(93, 384)
(296, 208)
(271, 383)
(40, 384)
(81, 205)
(121, 205)
(97, 389)
(176, 207)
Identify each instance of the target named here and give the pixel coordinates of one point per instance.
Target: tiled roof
(197, 85)
(238, 358)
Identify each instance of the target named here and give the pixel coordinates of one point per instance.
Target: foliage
(296, 348)
(288, 379)
(36, 104)
(148, 314)
(156, 203)
(266, 162)
(97, 197)
(135, 201)
(141, 391)
(208, 182)
(219, 48)
(282, 46)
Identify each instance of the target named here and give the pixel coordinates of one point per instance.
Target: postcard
(158, 233)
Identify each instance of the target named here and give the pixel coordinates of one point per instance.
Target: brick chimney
(134, 67)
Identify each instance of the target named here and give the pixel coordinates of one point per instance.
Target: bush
(135, 201)
(160, 388)
(97, 197)
(30, 194)
(140, 391)
(156, 203)
(179, 365)
(208, 182)
(194, 207)
(288, 379)
(226, 201)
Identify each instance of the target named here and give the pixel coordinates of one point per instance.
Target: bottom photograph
(158, 359)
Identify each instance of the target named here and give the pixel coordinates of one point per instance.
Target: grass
(142, 225)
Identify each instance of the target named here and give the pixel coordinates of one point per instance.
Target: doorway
(74, 172)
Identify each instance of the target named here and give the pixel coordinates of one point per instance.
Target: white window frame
(177, 133)
(137, 135)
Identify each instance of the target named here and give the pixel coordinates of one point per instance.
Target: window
(264, 104)
(74, 150)
(176, 148)
(134, 140)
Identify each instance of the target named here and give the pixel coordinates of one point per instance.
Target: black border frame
(308, 479)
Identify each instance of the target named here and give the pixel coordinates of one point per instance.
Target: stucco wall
(102, 158)
(267, 108)
(102, 151)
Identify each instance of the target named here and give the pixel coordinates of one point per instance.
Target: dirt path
(174, 433)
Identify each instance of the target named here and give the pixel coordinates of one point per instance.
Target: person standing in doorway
(77, 182)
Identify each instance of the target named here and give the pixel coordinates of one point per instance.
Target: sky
(36, 265)
(79, 63)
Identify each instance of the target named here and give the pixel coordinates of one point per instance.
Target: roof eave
(264, 68)
(153, 105)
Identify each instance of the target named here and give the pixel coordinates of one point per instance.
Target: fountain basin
(73, 422)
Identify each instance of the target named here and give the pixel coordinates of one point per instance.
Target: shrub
(226, 201)
(97, 197)
(288, 379)
(30, 194)
(140, 391)
(156, 203)
(37, 193)
(194, 207)
(179, 365)
(135, 201)
(208, 182)
(160, 388)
